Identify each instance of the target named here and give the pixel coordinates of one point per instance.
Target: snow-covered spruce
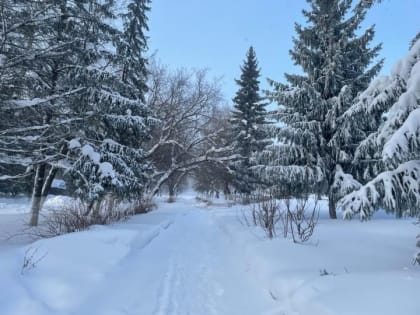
(111, 158)
(337, 65)
(397, 189)
(248, 125)
(88, 85)
(51, 101)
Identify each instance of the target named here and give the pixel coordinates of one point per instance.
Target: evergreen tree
(79, 103)
(133, 45)
(395, 143)
(17, 25)
(108, 155)
(336, 65)
(54, 43)
(248, 125)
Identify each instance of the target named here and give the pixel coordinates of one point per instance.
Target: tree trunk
(37, 194)
(332, 207)
(226, 190)
(96, 210)
(171, 189)
(47, 184)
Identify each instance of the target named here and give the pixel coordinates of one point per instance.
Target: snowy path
(189, 268)
(188, 259)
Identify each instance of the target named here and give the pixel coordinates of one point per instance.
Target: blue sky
(216, 34)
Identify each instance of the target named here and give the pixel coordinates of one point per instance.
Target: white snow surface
(90, 152)
(189, 258)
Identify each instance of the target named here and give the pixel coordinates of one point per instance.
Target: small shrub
(77, 216)
(266, 214)
(141, 206)
(299, 221)
(31, 259)
(324, 272)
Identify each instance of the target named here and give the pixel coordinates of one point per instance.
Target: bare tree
(213, 178)
(185, 103)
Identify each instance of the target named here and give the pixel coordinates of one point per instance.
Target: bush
(266, 214)
(297, 220)
(77, 216)
(300, 220)
(141, 206)
(31, 259)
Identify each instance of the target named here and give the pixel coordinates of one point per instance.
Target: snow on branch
(290, 175)
(19, 104)
(344, 183)
(404, 116)
(397, 191)
(405, 141)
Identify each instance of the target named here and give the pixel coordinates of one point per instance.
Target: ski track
(186, 267)
(187, 289)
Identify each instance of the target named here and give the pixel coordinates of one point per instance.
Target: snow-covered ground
(187, 258)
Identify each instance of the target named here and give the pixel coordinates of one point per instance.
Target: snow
(396, 141)
(74, 143)
(344, 183)
(38, 101)
(410, 127)
(188, 258)
(58, 183)
(382, 191)
(106, 170)
(89, 151)
(3, 59)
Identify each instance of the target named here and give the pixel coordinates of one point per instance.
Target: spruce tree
(78, 105)
(247, 124)
(133, 45)
(336, 64)
(56, 43)
(395, 143)
(108, 155)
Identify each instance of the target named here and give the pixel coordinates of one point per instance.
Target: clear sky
(216, 34)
